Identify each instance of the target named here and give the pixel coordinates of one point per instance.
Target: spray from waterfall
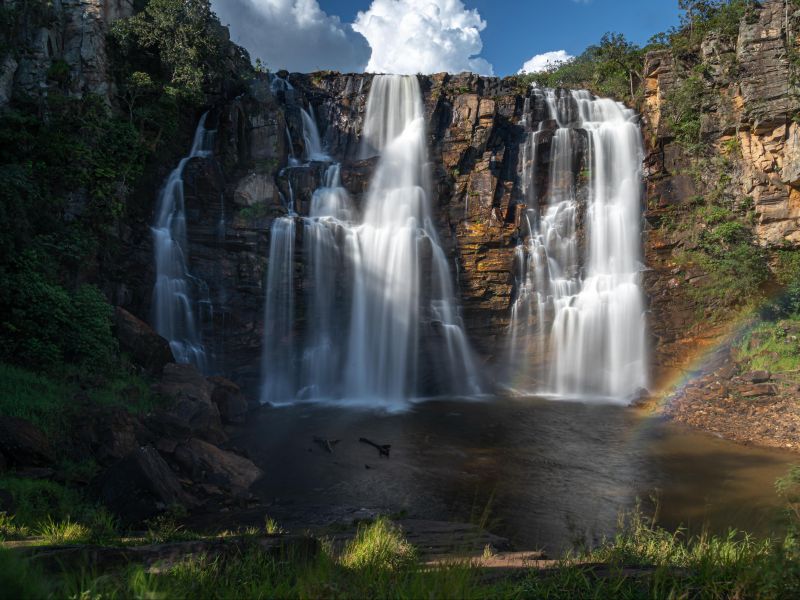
(178, 297)
(581, 321)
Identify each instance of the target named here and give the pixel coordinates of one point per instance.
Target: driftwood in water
(383, 449)
(327, 444)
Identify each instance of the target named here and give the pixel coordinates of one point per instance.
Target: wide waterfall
(579, 313)
(379, 291)
(177, 295)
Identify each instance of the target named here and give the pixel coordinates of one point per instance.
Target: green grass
(63, 532)
(128, 391)
(379, 563)
(47, 401)
(772, 346)
(10, 530)
(379, 545)
(34, 397)
(37, 500)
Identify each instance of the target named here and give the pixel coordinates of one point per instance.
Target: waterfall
(379, 284)
(277, 360)
(176, 293)
(582, 320)
(311, 139)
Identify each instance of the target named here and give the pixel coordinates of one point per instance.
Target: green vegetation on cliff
(71, 172)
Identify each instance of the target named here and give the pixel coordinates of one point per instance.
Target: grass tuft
(379, 545)
(63, 532)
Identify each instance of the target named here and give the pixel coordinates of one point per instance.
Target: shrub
(37, 500)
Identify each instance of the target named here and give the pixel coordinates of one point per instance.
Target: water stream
(579, 313)
(178, 297)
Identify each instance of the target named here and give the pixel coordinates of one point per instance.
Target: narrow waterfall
(277, 359)
(378, 285)
(176, 294)
(579, 311)
(311, 139)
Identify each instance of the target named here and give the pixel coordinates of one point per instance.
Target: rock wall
(749, 117)
(475, 134)
(72, 32)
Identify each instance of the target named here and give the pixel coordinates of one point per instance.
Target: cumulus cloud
(296, 35)
(544, 61)
(423, 36)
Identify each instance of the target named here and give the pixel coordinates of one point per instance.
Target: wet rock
(140, 486)
(137, 339)
(205, 462)
(230, 401)
(192, 412)
(23, 444)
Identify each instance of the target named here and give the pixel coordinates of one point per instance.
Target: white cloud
(542, 62)
(423, 36)
(293, 34)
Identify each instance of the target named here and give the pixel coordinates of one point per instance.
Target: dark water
(545, 474)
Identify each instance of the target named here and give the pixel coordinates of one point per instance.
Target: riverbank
(748, 391)
(377, 560)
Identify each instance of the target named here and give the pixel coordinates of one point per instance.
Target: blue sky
(432, 35)
(516, 30)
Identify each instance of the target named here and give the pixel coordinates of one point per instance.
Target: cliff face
(70, 34)
(749, 167)
(476, 129)
(473, 150)
(747, 124)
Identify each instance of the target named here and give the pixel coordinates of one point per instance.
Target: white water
(584, 327)
(379, 286)
(311, 139)
(177, 295)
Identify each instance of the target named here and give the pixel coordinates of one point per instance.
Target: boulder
(758, 389)
(137, 339)
(23, 444)
(115, 435)
(192, 413)
(140, 486)
(230, 401)
(205, 462)
(758, 376)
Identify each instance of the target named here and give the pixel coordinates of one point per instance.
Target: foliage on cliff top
(181, 45)
(611, 68)
(614, 66)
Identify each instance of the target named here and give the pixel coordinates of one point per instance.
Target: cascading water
(176, 294)
(584, 325)
(311, 139)
(379, 287)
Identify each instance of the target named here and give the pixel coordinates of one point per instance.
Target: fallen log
(383, 449)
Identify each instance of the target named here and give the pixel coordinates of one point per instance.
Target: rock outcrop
(749, 103)
(65, 40)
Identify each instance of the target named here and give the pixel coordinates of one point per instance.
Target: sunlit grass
(773, 347)
(63, 532)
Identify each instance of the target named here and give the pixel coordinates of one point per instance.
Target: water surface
(546, 474)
